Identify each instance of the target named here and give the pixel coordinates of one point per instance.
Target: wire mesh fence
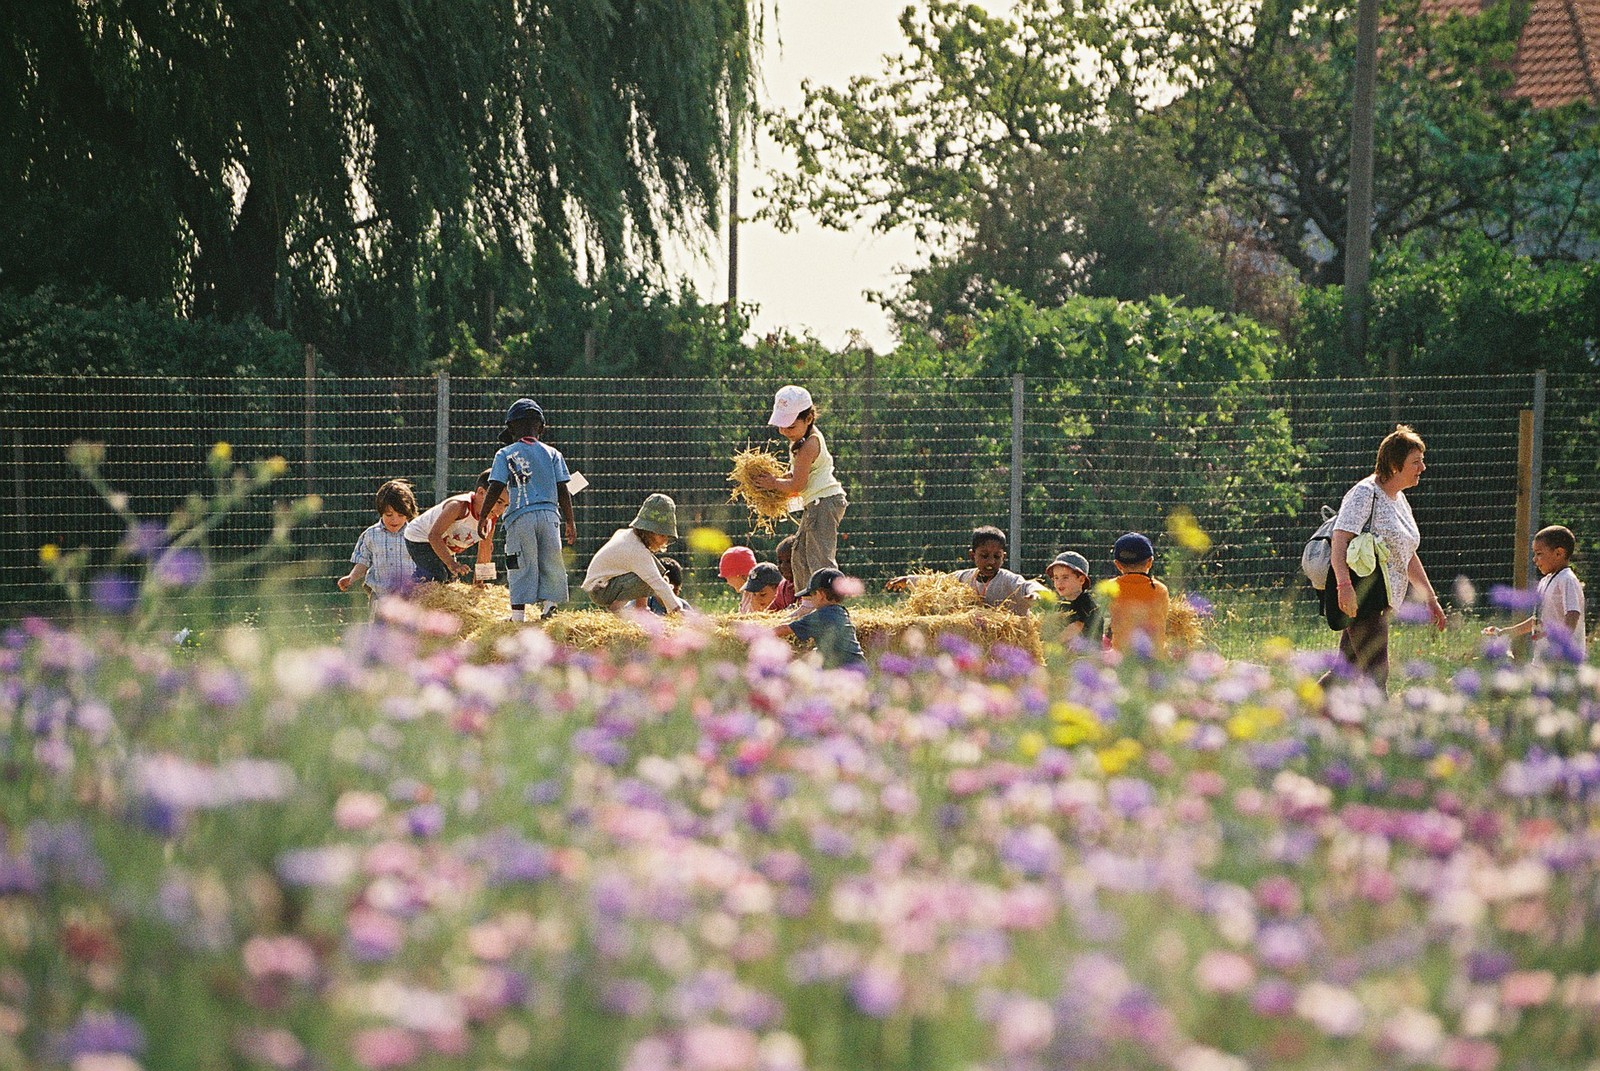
(923, 462)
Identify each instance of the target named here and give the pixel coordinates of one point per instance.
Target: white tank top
(459, 536)
(822, 483)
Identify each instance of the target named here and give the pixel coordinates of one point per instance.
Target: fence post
(310, 445)
(1525, 454)
(441, 439)
(1536, 470)
(1016, 472)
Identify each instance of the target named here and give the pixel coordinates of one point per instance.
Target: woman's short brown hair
(1395, 448)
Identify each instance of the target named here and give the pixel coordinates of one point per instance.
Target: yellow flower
(272, 467)
(1107, 589)
(222, 452)
(49, 554)
(1310, 692)
(1115, 759)
(1074, 725)
(1048, 596)
(708, 541)
(1277, 648)
(1030, 743)
(1442, 767)
(1182, 526)
(1182, 731)
(1243, 726)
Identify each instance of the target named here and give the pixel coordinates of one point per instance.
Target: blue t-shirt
(531, 471)
(835, 636)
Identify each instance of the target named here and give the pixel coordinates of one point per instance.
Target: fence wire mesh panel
(923, 461)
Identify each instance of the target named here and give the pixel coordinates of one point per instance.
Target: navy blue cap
(524, 407)
(1133, 548)
(823, 580)
(764, 575)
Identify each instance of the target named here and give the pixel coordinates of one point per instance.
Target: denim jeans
(535, 568)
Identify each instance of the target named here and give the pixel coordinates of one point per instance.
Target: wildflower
(1413, 613)
(1223, 972)
(103, 1032)
(1466, 594)
(1030, 743)
(877, 990)
(49, 554)
(1183, 527)
(1117, 757)
(1074, 724)
(1106, 589)
(708, 541)
(385, 1047)
(180, 567)
(1335, 1011)
(1515, 600)
(1277, 648)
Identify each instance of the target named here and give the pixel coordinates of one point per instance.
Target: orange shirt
(1139, 605)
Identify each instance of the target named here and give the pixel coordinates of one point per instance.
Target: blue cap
(764, 575)
(524, 407)
(1133, 548)
(1072, 560)
(823, 580)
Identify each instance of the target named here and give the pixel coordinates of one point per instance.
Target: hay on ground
(767, 507)
(477, 608)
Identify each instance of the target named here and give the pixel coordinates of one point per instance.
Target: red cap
(736, 561)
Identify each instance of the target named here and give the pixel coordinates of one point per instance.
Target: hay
(881, 627)
(1186, 629)
(939, 594)
(767, 507)
(483, 612)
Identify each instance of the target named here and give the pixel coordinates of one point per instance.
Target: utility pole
(1358, 221)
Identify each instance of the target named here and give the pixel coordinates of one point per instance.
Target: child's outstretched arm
(356, 575)
(491, 495)
(564, 499)
(452, 512)
(1519, 629)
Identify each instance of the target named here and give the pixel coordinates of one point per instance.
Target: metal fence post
(1537, 470)
(441, 439)
(309, 439)
(1016, 472)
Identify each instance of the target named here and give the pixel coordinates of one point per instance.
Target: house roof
(1558, 55)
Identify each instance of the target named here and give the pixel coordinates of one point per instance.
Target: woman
(1378, 504)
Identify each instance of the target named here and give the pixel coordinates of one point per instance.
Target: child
(434, 539)
(785, 554)
(1069, 575)
(379, 560)
(535, 476)
(761, 588)
(625, 570)
(1560, 593)
(816, 544)
(672, 569)
(1140, 603)
(996, 586)
(828, 624)
(734, 568)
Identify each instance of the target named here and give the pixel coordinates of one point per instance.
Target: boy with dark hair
(1139, 603)
(379, 562)
(449, 527)
(997, 586)
(534, 475)
(1560, 594)
(828, 624)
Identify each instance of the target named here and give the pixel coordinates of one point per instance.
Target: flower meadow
(398, 851)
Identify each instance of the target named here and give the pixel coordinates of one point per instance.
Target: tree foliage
(366, 175)
(1264, 115)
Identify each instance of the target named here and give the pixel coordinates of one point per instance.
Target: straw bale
(880, 627)
(478, 608)
(767, 507)
(588, 630)
(938, 594)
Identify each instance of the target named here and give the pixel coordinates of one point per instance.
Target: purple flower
(1201, 606)
(145, 539)
(1488, 965)
(17, 875)
(329, 866)
(114, 592)
(178, 568)
(876, 991)
(1032, 850)
(425, 820)
(63, 851)
(1517, 600)
(103, 1032)
(1129, 795)
(1273, 998)
(1413, 613)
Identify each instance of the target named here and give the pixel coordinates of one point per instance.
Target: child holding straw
(811, 477)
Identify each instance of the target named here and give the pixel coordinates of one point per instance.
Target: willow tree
(366, 174)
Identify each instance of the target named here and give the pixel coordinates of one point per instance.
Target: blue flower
(179, 568)
(114, 592)
(1517, 600)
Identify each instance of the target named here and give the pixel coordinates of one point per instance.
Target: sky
(812, 279)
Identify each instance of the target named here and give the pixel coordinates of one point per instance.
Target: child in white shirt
(1560, 593)
(626, 569)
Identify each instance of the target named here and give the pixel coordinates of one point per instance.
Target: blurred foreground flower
(1182, 526)
(708, 541)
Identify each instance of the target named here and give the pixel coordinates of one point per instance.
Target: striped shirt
(389, 567)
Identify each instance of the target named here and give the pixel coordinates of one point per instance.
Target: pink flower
(1023, 1026)
(713, 1047)
(1224, 972)
(385, 1047)
(356, 811)
(1524, 989)
(280, 957)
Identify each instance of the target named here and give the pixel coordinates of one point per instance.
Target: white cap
(788, 404)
